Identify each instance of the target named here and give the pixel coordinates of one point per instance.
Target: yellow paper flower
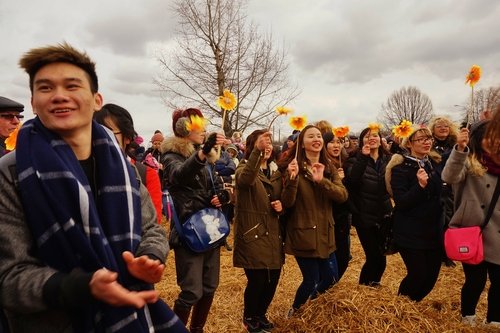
(227, 101)
(283, 111)
(196, 123)
(473, 76)
(10, 142)
(403, 130)
(340, 132)
(374, 127)
(298, 123)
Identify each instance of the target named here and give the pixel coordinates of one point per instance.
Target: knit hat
(157, 137)
(233, 147)
(180, 118)
(10, 105)
(139, 140)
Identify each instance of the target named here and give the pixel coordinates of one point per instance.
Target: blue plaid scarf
(76, 228)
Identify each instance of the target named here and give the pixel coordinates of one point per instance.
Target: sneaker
(252, 325)
(227, 246)
(265, 324)
(469, 320)
(290, 312)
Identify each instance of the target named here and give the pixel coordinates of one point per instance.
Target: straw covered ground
(346, 307)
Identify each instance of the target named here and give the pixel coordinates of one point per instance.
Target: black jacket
(417, 213)
(365, 180)
(186, 177)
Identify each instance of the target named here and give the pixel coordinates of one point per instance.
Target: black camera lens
(223, 197)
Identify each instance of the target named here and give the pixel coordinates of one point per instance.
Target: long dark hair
(381, 150)
(250, 143)
(301, 155)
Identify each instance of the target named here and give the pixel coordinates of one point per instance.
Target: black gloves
(209, 144)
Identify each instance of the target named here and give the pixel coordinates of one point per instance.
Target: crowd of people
(82, 203)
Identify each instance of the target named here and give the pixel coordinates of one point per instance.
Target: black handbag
(387, 245)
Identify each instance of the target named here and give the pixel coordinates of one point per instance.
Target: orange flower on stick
(374, 127)
(227, 101)
(281, 111)
(340, 132)
(298, 122)
(473, 76)
(10, 142)
(196, 123)
(403, 130)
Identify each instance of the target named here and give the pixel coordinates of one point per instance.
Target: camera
(224, 197)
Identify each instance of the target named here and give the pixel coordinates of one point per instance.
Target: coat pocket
(254, 233)
(303, 239)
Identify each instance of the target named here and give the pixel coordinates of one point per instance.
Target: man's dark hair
(36, 58)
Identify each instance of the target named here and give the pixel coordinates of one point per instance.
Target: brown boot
(200, 314)
(182, 312)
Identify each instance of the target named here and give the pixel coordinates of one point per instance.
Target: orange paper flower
(10, 142)
(283, 111)
(227, 101)
(298, 123)
(374, 127)
(403, 130)
(340, 132)
(196, 123)
(473, 76)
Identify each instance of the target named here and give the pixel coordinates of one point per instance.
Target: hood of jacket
(184, 147)
(396, 159)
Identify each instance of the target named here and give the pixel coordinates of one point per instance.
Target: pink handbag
(464, 244)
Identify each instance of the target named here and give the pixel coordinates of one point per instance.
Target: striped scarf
(75, 227)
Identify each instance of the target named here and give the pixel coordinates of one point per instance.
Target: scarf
(74, 227)
(491, 167)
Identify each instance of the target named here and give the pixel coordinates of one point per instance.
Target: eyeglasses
(424, 139)
(10, 117)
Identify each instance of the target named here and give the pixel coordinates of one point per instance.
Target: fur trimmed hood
(183, 147)
(396, 159)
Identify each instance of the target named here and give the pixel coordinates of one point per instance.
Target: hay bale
(346, 307)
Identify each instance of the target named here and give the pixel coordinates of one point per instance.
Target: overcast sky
(347, 57)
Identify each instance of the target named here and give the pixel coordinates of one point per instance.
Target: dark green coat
(309, 227)
(257, 242)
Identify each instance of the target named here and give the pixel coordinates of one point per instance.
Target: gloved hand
(209, 144)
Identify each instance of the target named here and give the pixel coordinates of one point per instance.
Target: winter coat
(257, 242)
(472, 197)
(310, 224)
(23, 275)
(225, 167)
(365, 180)
(186, 177)
(417, 210)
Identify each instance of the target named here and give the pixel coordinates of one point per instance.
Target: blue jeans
(317, 276)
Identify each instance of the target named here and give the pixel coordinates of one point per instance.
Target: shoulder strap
(492, 204)
(142, 171)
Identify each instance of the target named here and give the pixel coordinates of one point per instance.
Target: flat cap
(10, 105)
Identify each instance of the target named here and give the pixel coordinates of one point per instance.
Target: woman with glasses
(444, 133)
(414, 182)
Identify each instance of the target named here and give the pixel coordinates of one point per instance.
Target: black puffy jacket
(365, 181)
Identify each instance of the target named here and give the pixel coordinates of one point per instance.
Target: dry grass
(347, 307)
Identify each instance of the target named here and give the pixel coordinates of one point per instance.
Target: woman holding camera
(188, 179)
(258, 242)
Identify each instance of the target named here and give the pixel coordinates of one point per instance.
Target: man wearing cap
(10, 117)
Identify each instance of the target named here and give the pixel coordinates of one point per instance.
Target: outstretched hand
(143, 267)
(104, 287)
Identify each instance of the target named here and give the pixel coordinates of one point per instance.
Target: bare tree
(484, 100)
(408, 103)
(217, 49)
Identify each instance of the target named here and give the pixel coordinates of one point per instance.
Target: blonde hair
(324, 126)
(453, 127)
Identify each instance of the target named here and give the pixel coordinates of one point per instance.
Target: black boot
(200, 314)
(182, 312)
